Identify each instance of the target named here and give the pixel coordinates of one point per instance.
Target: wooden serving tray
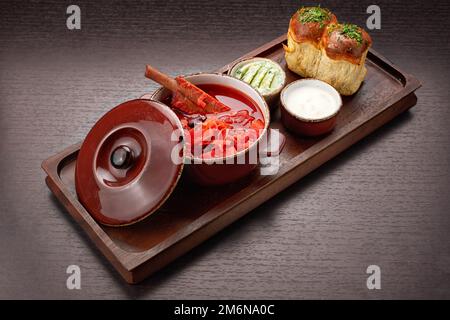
(137, 251)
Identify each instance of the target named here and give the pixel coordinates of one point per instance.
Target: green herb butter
(263, 75)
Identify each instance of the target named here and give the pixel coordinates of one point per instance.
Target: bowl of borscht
(223, 147)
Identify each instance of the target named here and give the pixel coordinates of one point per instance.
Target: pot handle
(275, 143)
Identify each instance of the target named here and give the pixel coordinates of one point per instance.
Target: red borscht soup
(217, 135)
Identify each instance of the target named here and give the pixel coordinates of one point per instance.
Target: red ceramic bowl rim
(283, 105)
(266, 114)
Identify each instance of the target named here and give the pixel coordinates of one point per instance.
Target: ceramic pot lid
(124, 169)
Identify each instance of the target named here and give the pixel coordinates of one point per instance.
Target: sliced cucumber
(265, 76)
(256, 82)
(240, 73)
(268, 79)
(251, 73)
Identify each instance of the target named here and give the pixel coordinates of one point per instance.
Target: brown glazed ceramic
(124, 170)
(228, 170)
(306, 128)
(303, 126)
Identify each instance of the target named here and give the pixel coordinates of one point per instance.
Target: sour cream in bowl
(310, 107)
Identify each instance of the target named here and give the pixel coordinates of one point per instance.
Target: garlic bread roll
(344, 49)
(318, 47)
(306, 28)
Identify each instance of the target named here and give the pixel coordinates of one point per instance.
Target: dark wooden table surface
(385, 201)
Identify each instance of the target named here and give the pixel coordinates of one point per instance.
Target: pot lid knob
(122, 157)
(130, 162)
